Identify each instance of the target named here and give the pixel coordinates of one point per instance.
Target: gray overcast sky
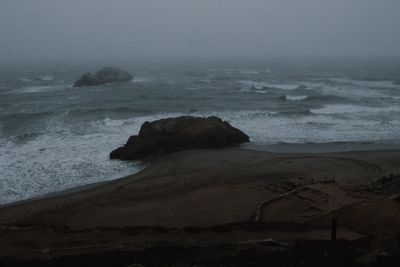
(140, 29)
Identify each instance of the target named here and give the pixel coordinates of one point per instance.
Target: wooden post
(333, 230)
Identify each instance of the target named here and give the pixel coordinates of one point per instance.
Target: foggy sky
(175, 29)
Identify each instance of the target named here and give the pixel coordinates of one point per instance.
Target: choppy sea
(54, 136)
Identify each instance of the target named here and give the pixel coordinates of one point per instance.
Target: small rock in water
(103, 76)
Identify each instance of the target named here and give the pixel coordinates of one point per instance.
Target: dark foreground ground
(268, 253)
(228, 207)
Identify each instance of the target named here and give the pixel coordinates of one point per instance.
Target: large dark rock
(173, 134)
(103, 76)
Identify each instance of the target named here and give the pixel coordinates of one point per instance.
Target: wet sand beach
(208, 198)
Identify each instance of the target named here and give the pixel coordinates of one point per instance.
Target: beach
(206, 198)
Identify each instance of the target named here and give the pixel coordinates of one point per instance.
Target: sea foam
(344, 108)
(296, 97)
(261, 85)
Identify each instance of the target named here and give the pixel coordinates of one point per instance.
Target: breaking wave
(296, 97)
(343, 109)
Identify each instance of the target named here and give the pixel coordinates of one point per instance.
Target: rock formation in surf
(103, 76)
(174, 134)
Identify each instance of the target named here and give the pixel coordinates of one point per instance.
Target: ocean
(54, 136)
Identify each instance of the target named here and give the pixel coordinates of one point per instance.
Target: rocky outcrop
(174, 134)
(103, 76)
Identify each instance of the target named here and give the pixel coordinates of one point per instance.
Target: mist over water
(82, 30)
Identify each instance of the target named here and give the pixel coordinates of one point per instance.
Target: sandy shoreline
(278, 149)
(202, 189)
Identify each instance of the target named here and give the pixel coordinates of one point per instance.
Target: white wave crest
(344, 108)
(41, 89)
(249, 72)
(296, 97)
(252, 90)
(261, 85)
(141, 80)
(47, 77)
